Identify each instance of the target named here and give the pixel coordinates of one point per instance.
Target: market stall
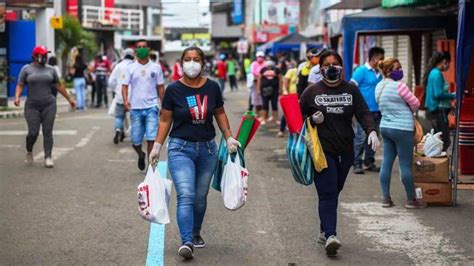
(288, 44)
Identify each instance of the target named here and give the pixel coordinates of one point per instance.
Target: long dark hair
(437, 58)
(193, 48)
(327, 54)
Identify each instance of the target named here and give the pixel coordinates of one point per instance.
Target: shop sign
(242, 46)
(266, 33)
(56, 22)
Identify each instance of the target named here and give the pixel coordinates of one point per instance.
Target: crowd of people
(375, 102)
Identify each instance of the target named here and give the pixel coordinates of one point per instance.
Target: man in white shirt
(146, 93)
(115, 83)
(315, 75)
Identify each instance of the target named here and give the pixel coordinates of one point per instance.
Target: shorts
(273, 99)
(144, 123)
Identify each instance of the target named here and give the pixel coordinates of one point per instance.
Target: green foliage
(73, 35)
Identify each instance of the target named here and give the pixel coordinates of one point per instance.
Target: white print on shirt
(335, 110)
(333, 100)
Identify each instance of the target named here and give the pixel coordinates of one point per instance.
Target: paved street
(84, 210)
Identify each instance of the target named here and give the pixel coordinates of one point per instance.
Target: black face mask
(332, 74)
(41, 59)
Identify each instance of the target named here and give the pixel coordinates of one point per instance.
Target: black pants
(439, 122)
(101, 88)
(43, 115)
(273, 100)
(233, 82)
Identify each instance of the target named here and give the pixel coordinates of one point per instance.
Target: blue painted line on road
(156, 241)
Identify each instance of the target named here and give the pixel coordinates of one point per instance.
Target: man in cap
(304, 69)
(255, 68)
(115, 83)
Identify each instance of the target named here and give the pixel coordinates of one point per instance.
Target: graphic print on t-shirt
(197, 108)
(334, 103)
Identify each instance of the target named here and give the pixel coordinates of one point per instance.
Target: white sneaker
(29, 158)
(48, 163)
(332, 245)
(322, 238)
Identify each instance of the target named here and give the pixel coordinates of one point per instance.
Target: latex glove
(373, 140)
(318, 117)
(155, 153)
(232, 145)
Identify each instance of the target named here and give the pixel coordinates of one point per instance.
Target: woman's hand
(72, 103)
(373, 140)
(232, 145)
(17, 101)
(318, 117)
(155, 153)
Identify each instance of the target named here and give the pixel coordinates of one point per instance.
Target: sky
(186, 13)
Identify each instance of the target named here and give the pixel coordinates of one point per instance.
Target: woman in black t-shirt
(268, 86)
(78, 74)
(331, 104)
(189, 105)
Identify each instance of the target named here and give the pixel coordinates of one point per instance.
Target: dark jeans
(439, 121)
(329, 184)
(397, 143)
(101, 88)
(361, 145)
(233, 82)
(43, 115)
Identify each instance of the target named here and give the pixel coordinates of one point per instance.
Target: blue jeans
(222, 84)
(329, 184)
(361, 146)
(191, 166)
(397, 142)
(144, 123)
(119, 117)
(80, 91)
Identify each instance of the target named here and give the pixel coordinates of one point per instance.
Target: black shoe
(141, 162)
(122, 136)
(186, 251)
(372, 168)
(116, 137)
(358, 170)
(198, 242)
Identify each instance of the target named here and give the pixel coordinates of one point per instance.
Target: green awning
(408, 3)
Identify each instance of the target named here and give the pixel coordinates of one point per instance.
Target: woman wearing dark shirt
(189, 105)
(79, 80)
(331, 104)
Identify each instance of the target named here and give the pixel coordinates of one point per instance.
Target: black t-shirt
(193, 110)
(338, 105)
(270, 77)
(79, 69)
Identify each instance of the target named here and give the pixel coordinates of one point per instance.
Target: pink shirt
(256, 68)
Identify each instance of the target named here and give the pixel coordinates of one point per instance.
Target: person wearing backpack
(438, 98)
(268, 86)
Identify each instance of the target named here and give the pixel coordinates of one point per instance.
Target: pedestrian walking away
(367, 77)
(40, 105)
(146, 83)
(221, 72)
(101, 69)
(268, 87)
(397, 105)
(189, 106)
(78, 74)
(438, 98)
(115, 82)
(232, 66)
(331, 104)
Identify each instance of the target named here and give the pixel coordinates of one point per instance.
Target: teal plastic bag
(301, 164)
(221, 162)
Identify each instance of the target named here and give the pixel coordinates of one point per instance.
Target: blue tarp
(288, 43)
(391, 20)
(465, 45)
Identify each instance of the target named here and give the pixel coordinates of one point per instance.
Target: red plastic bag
(292, 112)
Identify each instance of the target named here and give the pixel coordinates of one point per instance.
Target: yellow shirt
(292, 76)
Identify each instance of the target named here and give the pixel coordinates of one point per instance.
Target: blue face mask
(396, 75)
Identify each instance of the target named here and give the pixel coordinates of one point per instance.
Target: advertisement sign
(266, 33)
(280, 12)
(238, 12)
(242, 46)
(176, 39)
(72, 8)
(56, 22)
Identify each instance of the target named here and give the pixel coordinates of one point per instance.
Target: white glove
(155, 153)
(232, 145)
(373, 140)
(318, 117)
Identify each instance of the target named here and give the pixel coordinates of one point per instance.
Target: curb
(11, 114)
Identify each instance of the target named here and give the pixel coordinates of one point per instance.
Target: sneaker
(29, 158)
(415, 204)
(116, 137)
(358, 170)
(322, 238)
(372, 168)
(141, 162)
(48, 163)
(332, 245)
(198, 242)
(270, 119)
(186, 251)
(387, 203)
(280, 134)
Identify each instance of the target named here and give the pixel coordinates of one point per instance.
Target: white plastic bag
(112, 106)
(153, 197)
(234, 184)
(433, 144)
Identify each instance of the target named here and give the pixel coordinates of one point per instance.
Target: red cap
(40, 50)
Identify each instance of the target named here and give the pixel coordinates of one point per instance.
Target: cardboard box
(428, 169)
(436, 193)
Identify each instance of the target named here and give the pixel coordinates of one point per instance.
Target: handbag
(314, 147)
(222, 161)
(299, 158)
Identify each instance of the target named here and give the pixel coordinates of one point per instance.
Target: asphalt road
(84, 210)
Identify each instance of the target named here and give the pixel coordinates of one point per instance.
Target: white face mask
(192, 69)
